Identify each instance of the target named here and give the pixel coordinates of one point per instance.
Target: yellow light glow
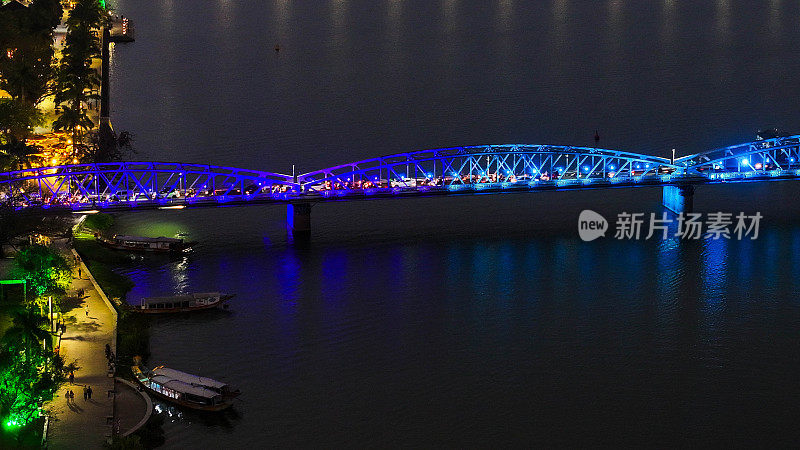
(54, 161)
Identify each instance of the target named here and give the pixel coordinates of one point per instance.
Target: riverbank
(115, 408)
(133, 330)
(82, 422)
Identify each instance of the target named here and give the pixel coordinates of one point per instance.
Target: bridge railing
(765, 156)
(486, 164)
(450, 169)
(137, 181)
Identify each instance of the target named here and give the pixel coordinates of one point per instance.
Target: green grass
(98, 222)
(114, 284)
(90, 250)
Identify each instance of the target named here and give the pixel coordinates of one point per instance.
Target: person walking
(89, 392)
(85, 394)
(71, 377)
(80, 276)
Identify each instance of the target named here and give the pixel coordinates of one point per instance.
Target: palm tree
(86, 13)
(19, 155)
(29, 328)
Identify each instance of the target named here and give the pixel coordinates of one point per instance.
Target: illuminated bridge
(132, 186)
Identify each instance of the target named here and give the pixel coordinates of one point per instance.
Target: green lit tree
(44, 269)
(31, 329)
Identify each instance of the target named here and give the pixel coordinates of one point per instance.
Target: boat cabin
(148, 243)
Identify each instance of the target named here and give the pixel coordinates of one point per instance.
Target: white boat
(191, 391)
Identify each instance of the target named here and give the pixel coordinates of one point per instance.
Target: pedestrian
(71, 377)
(80, 276)
(89, 392)
(85, 394)
(87, 312)
(108, 351)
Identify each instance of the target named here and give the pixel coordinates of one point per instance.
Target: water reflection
(775, 19)
(668, 21)
(723, 21)
(282, 15)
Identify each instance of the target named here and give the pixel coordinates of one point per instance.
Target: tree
(29, 328)
(76, 80)
(86, 14)
(105, 146)
(27, 69)
(18, 154)
(26, 37)
(44, 269)
(17, 120)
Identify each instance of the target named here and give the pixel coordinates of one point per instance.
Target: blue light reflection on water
(440, 325)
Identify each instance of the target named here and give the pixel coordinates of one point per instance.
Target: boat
(181, 303)
(191, 391)
(144, 244)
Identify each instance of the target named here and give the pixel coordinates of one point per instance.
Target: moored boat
(191, 391)
(181, 303)
(144, 244)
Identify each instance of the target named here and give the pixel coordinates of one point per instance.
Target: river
(471, 321)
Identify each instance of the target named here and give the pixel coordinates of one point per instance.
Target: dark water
(470, 321)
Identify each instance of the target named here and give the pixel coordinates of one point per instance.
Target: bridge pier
(298, 219)
(678, 199)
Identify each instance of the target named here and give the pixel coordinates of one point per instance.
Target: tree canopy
(44, 269)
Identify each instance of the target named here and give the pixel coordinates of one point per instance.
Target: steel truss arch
(99, 183)
(487, 164)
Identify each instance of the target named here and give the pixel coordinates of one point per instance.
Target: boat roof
(147, 239)
(179, 298)
(183, 387)
(192, 380)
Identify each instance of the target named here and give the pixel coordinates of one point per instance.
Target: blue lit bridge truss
(450, 171)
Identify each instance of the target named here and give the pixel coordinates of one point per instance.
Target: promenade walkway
(82, 424)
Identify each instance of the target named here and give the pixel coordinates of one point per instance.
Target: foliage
(29, 329)
(113, 284)
(99, 221)
(13, 225)
(29, 372)
(104, 145)
(90, 250)
(44, 269)
(17, 120)
(133, 337)
(76, 80)
(18, 155)
(26, 69)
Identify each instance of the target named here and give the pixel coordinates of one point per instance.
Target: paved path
(82, 424)
(132, 407)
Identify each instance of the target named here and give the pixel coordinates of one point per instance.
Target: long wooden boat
(144, 244)
(191, 391)
(181, 303)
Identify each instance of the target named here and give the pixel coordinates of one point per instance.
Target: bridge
(488, 169)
